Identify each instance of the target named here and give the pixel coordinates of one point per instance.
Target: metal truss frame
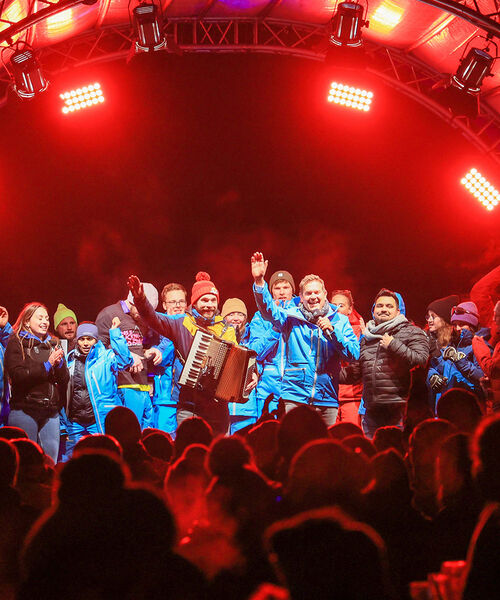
(396, 68)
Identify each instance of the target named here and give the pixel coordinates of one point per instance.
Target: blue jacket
(464, 373)
(101, 371)
(268, 342)
(166, 375)
(312, 362)
(250, 408)
(4, 388)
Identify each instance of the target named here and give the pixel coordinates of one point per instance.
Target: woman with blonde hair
(35, 364)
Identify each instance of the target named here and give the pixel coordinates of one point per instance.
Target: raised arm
(119, 345)
(265, 303)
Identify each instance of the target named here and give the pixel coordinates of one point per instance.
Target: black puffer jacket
(385, 372)
(34, 389)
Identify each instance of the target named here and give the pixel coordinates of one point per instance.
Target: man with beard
(390, 348)
(317, 339)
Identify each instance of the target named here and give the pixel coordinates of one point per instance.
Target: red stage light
(349, 96)
(481, 189)
(89, 95)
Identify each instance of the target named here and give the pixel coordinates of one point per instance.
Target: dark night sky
(194, 162)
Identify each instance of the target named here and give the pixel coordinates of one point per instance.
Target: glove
(437, 382)
(460, 355)
(450, 353)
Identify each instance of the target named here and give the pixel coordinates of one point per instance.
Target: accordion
(219, 368)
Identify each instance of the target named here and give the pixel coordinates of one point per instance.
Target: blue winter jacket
(268, 342)
(464, 373)
(166, 375)
(250, 408)
(312, 362)
(101, 371)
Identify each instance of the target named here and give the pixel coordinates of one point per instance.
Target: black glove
(437, 382)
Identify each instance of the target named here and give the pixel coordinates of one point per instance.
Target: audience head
(65, 322)
(97, 442)
(31, 460)
(122, 424)
(9, 432)
(453, 468)
(9, 460)
(299, 426)
(159, 445)
(194, 430)
(359, 444)
(388, 437)
(390, 483)
(263, 439)
(486, 458)
(228, 455)
(339, 431)
(325, 554)
(460, 407)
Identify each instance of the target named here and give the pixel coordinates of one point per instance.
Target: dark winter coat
(34, 381)
(385, 372)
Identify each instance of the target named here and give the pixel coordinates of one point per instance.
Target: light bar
(350, 96)
(481, 189)
(76, 100)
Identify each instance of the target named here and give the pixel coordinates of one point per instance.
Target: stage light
(481, 188)
(386, 17)
(148, 25)
(28, 79)
(84, 97)
(347, 22)
(350, 97)
(461, 94)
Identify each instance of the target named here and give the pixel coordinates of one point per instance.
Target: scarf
(313, 315)
(201, 320)
(376, 332)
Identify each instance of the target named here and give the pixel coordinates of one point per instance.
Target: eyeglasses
(458, 310)
(429, 318)
(176, 303)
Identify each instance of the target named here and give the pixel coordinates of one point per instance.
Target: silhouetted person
(34, 479)
(460, 407)
(389, 437)
(482, 578)
(97, 443)
(263, 439)
(341, 430)
(12, 433)
(193, 430)
(325, 554)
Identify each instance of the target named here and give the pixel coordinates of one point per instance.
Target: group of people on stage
(363, 458)
(311, 349)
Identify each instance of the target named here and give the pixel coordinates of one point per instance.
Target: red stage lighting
(29, 79)
(75, 100)
(349, 96)
(481, 189)
(347, 23)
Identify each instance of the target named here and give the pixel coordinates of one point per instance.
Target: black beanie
(442, 306)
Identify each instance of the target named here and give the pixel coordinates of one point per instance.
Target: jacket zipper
(94, 403)
(316, 369)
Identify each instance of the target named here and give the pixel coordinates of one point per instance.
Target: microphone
(328, 333)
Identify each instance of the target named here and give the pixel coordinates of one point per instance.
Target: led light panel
(352, 97)
(481, 189)
(76, 100)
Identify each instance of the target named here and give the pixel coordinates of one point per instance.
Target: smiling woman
(36, 367)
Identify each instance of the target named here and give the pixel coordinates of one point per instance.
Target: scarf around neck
(313, 315)
(376, 332)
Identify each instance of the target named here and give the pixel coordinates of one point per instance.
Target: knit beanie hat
(150, 292)
(203, 286)
(466, 312)
(233, 305)
(87, 328)
(281, 276)
(442, 306)
(61, 313)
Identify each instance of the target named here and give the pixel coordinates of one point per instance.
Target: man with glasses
(166, 378)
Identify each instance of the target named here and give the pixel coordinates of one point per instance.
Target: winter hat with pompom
(203, 286)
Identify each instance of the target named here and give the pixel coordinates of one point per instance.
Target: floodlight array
(89, 95)
(350, 96)
(481, 189)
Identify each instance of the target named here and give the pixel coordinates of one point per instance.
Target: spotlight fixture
(347, 23)
(461, 94)
(149, 24)
(28, 79)
(481, 189)
(76, 100)
(349, 96)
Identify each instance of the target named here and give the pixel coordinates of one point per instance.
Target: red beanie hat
(203, 286)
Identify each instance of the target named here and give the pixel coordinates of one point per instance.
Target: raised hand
(56, 356)
(259, 268)
(135, 286)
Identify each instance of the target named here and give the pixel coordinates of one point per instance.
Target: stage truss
(396, 68)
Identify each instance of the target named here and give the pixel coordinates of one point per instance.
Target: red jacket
(347, 392)
(490, 364)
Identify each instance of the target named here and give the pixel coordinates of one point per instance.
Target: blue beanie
(87, 328)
